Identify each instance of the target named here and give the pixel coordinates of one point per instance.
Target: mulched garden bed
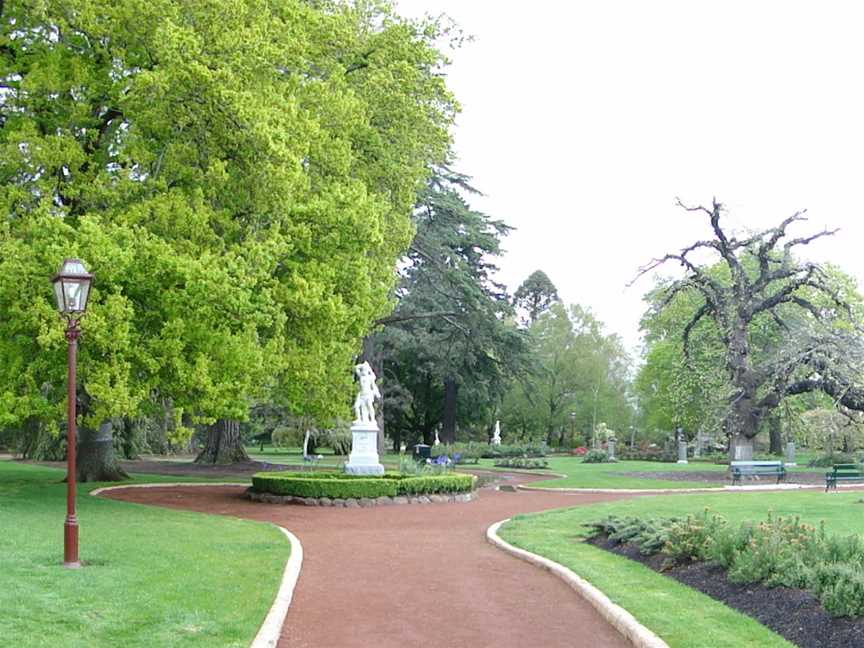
(794, 614)
(716, 477)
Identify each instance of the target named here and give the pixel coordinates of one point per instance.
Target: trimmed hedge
(341, 486)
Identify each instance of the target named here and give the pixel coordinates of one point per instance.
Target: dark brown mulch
(794, 614)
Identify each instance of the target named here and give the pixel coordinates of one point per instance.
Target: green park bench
(742, 469)
(843, 472)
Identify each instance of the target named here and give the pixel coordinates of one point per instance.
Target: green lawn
(697, 620)
(578, 474)
(582, 475)
(152, 576)
(294, 457)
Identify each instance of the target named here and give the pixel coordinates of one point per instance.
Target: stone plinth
(363, 459)
(682, 452)
(790, 454)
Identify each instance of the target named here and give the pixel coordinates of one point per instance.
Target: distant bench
(843, 472)
(757, 469)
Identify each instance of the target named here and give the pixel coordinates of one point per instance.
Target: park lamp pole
(71, 289)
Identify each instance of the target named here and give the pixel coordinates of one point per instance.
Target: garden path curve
(413, 575)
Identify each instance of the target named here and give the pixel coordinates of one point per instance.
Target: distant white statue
(364, 404)
(496, 436)
(437, 440)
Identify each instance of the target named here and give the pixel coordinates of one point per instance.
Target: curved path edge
(271, 629)
(673, 491)
(621, 619)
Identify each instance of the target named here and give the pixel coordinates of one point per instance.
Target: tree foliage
(239, 176)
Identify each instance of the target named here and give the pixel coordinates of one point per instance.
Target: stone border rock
(271, 629)
(360, 502)
(105, 489)
(621, 619)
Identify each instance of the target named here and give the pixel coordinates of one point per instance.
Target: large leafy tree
(449, 348)
(766, 325)
(239, 175)
(579, 378)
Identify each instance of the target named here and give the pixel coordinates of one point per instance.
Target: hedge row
(341, 486)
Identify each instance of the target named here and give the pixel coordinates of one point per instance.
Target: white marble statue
(364, 404)
(437, 440)
(496, 436)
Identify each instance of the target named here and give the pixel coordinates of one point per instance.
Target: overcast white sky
(582, 121)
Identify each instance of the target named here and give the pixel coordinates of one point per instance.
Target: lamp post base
(70, 544)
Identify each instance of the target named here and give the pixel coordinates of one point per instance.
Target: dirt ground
(413, 575)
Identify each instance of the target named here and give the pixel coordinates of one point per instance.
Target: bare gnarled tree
(817, 358)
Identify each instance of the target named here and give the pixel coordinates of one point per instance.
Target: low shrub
(522, 462)
(341, 486)
(579, 452)
(596, 456)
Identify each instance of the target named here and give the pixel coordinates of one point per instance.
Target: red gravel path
(413, 575)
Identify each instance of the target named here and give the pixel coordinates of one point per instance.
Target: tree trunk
(742, 421)
(96, 459)
(775, 435)
(223, 444)
(741, 448)
(448, 429)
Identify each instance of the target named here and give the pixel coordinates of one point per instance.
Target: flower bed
(337, 486)
(778, 552)
(522, 462)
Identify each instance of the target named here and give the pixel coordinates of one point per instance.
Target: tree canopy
(239, 175)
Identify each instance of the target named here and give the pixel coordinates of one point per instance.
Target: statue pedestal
(363, 459)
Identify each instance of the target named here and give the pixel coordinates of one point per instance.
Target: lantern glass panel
(58, 295)
(75, 294)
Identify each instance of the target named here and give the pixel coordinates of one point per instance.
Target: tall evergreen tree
(535, 296)
(449, 347)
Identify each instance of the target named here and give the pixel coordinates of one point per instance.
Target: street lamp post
(71, 289)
